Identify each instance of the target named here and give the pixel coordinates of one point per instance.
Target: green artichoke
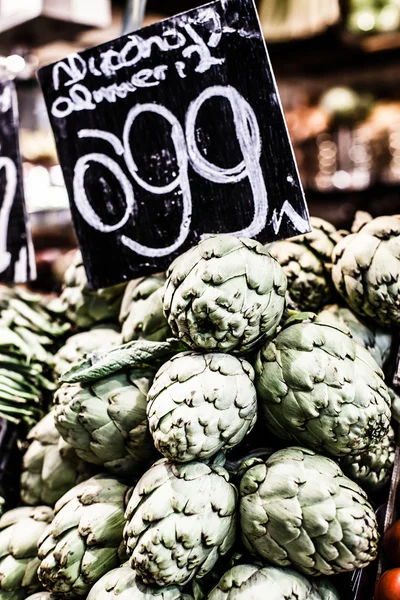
(246, 582)
(307, 263)
(20, 530)
(50, 467)
(377, 341)
(200, 404)
(105, 422)
(225, 294)
(101, 337)
(180, 519)
(86, 308)
(318, 387)
(366, 270)
(142, 315)
(372, 469)
(84, 540)
(123, 584)
(298, 510)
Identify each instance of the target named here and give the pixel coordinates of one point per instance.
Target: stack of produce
(307, 262)
(152, 458)
(30, 332)
(76, 347)
(84, 307)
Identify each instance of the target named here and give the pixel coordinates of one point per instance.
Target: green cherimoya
(372, 469)
(299, 510)
(377, 341)
(105, 421)
(123, 584)
(318, 387)
(50, 466)
(101, 337)
(307, 263)
(200, 404)
(366, 270)
(142, 315)
(20, 530)
(256, 582)
(84, 540)
(180, 519)
(84, 307)
(225, 294)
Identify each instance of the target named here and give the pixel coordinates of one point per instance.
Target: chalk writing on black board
(172, 134)
(16, 252)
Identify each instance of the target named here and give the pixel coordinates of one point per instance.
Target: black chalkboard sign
(170, 134)
(17, 261)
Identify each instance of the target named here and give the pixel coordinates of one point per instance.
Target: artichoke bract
(50, 467)
(180, 519)
(366, 270)
(320, 388)
(200, 404)
(376, 340)
(307, 263)
(372, 469)
(78, 345)
(86, 308)
(142, 315)
(20, 530)
(269, 583)
(225, 294)
(123, 584)
(299, 510)
(105, 422)
(84, 540)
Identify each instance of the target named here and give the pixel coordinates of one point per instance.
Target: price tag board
(171, 134)
(17, 259)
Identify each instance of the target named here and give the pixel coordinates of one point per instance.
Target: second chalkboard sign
(170, 134)
(17, 258)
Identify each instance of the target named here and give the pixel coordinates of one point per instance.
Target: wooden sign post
(170, 134)
(17, 260)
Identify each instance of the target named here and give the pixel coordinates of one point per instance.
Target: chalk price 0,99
(187, 153)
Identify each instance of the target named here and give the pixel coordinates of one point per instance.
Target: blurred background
(337, 64)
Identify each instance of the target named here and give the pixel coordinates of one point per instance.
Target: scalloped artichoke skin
(123, 584)
(372, 469)
(268, 583)
(200, 404)
(225, 294)
(366, 270)
(106, 422)
(80, 344)
(142, 315)
(377, 341)
(318, 387)
(307, 263)
(84, 307)
(50, 467)
(180, 519)
(299, 510)
(20, 530)
(84, 540)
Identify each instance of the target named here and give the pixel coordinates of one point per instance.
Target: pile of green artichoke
(208, 438)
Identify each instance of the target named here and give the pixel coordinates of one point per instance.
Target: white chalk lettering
(81, 199)
(75, 68)
(11, 180)
(187, 153)
(249, 138)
